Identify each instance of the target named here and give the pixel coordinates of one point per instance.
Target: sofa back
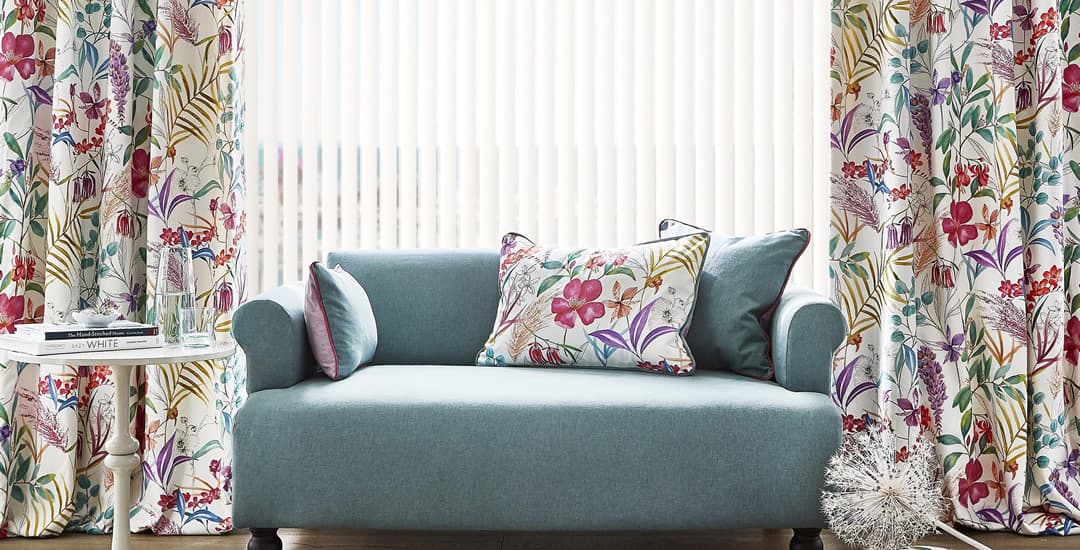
(431, 306)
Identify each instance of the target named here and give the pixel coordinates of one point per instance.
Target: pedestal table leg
(122, 460)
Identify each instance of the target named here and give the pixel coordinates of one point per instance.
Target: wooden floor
(760, 539)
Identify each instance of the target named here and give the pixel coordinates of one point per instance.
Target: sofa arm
(270, 328)
(806, 330)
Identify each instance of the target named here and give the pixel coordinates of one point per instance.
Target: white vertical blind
(445, 123)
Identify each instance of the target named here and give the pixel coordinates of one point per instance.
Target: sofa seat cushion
(439, 447)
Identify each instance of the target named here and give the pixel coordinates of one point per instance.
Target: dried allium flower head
(874, 501)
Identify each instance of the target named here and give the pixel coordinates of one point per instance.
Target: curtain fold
(121, 128)
(954, 237)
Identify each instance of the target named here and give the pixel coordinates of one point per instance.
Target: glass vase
(175, 290)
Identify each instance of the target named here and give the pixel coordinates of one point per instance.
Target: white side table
(121, 446)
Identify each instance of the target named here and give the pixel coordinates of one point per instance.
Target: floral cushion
(623, 308)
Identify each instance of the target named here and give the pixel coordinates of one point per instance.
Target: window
(424, 123)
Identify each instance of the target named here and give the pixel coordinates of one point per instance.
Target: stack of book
(51, 339)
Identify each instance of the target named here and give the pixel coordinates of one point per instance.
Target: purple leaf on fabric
(868, 132)
(148, 471)
(991, 515)
(836, 142)
(981, 7)
(859, 390)
(654, 334)
(164, 458)
(610, 338)
(40, 95)
(844, 378)
(849, 120)
(638, 324)
(1002, 242)
(176, 462)
(982, 258)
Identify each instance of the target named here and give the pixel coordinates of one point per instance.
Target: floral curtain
(955, 178)
(121, 130)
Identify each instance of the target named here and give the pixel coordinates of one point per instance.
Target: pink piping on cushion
(326, 320)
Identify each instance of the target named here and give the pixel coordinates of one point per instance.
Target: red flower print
(140, 172)
(935, 23)
(853, 170)
(124, 224)
(553, 357)
(998, 32)
(913, 159)
(1070, 88)
(1072, 340)
(982, 426)
(924, 418)
(958, 229)
(903, 454)
(942, 275)
(1053, 276)
(17, 52)
(1009, 289)
(536, 353)
(30, 10)
(962, 177)
(848, 169)
(981, 172)
(24, 268)
(11, 312)
(971, 489)
(900, 193)
(852, 424)
(578, 298)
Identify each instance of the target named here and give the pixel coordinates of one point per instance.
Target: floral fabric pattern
(627, 308)
(121, 132)
(955, 185)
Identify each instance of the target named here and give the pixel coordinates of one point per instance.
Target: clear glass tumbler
(175, 289)
(197, 326)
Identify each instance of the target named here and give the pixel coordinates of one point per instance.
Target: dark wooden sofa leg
(807, 539)
(265, 539)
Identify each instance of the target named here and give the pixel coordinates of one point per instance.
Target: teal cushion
(433, 306)
(741, 283)
(340, 323)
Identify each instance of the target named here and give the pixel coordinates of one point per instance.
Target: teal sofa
(422, 439)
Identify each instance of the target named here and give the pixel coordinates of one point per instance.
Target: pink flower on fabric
(971, 489)
(17, 52)
(1070, 88)
(228, 216)
(1072, 340)
(958, 229)
(11, 312)
(578, 299)
(140, 173)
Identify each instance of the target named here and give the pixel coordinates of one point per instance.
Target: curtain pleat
(954, 239)
(122, 129)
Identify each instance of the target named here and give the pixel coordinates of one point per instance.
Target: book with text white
(37, 345)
